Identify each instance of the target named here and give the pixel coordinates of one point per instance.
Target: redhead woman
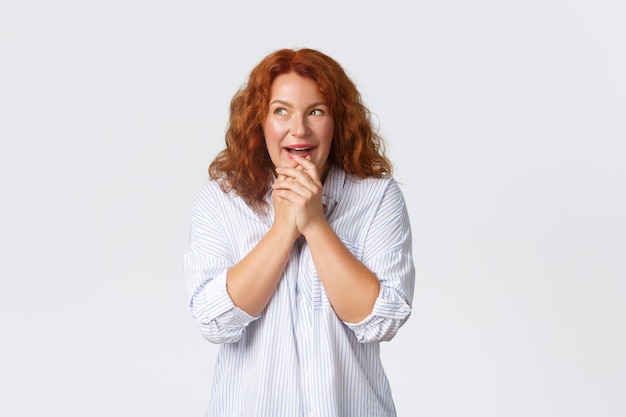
(299, 261)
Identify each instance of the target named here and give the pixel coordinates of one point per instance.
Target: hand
(302, 188)
(284, 214)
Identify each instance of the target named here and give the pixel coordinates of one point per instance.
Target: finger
(291, 184)
(305, 162)
(297, 176)
(299, 171)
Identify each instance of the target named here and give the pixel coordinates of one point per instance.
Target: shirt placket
(304, 334)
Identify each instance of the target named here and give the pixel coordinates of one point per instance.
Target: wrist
(315, 229)
(284, 232)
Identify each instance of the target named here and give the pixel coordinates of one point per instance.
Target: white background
(506, 124)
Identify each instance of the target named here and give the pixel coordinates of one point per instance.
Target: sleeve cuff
(395, 310)
(386, 317)
(216, 302)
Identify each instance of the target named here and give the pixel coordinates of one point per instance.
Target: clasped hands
(297, 197)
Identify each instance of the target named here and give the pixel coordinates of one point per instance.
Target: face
(298, 122)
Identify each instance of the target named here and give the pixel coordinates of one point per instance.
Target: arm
(212, 273)
(373, 296)
(354, 294)
(252, 281)
(351, 287)
(388, 253)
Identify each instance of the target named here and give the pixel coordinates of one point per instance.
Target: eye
(280, 111)
(317, 112)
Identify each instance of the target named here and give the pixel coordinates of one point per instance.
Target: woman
(299, 260)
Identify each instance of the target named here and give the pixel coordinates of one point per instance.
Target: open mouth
(300, 151)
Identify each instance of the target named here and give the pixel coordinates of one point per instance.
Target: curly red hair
(245, 165)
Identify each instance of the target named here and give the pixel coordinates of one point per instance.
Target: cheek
(272, 132)
(268, 134)
(272, 142)
(328, 134)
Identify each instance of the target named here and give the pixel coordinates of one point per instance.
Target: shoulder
(214, 199)
(209, 191)
(374, 187)
(210, 195)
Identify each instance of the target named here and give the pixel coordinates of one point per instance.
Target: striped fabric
(298, 358)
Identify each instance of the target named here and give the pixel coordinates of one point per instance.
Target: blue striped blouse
(297, 358)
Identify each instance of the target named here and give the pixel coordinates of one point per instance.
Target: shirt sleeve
(206, 263)
(388, 254)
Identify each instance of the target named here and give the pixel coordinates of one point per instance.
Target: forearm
(252, 282)
(351, 287)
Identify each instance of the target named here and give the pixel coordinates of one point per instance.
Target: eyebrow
(285, 103)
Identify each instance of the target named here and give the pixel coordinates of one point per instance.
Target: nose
(299, 126)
